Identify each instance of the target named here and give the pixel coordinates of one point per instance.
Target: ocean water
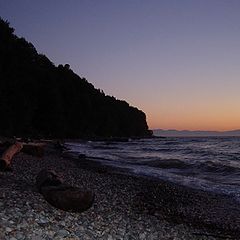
(208, 163)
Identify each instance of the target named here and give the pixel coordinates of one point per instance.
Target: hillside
(38, 98)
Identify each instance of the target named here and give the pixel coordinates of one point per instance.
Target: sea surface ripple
(208, 163)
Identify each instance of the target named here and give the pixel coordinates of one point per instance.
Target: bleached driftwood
(5, 160)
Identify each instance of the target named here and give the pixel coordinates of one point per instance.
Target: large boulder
(61, 195)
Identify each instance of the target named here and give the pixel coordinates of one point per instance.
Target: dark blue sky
(176, 60)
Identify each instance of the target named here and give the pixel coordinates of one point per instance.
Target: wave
(218, 168)
(207, 162)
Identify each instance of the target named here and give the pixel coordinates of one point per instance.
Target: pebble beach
(125, 207)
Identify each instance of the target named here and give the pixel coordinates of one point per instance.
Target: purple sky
(178, 61)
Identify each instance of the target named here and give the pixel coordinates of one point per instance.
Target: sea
(207, 163)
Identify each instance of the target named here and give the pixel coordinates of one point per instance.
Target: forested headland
(38, 98)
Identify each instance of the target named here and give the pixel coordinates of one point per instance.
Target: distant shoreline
(189, 133)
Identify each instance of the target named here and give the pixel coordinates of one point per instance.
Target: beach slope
(125, 207)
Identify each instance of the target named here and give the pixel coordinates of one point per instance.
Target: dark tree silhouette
(38, 98)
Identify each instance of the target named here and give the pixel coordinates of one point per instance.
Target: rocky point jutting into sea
(54, 101)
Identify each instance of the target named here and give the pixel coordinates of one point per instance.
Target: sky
(177, 60)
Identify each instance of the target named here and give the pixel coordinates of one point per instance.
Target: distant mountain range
(187, 133)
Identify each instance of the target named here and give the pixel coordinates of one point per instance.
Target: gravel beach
(125, 207)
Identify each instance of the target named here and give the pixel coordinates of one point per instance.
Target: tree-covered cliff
(38, 98)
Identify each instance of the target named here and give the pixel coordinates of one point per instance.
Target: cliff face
(38, 98)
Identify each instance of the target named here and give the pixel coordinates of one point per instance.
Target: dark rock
(82, 156)
(47, 178)
(4, 166)
(61, 195)
(58, 145)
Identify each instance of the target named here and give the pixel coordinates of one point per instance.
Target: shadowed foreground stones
(3, 165)
(61, 195)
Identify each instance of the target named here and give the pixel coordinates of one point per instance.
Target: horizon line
(170, 129)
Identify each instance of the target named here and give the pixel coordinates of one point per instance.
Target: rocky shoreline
(125, 207)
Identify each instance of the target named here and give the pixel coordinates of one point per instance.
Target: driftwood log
(61, 195)
(35, 149)
(5, 160)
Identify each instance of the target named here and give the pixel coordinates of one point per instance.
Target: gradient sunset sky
(177, 60)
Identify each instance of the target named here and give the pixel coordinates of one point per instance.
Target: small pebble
(63, 233)
(8, 229)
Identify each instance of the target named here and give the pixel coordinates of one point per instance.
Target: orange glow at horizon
(210, 112)
(211, 121)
